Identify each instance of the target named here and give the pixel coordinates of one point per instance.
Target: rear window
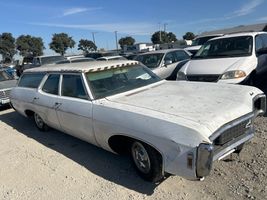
(31, 80)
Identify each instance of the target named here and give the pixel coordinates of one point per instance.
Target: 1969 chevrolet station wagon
(166, 127)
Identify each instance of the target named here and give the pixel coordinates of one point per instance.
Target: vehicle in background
(75, 60)
(10, 70)
(165, 63)
(96, 55)
(132, 56)
(199, 41)
(6, 84)
(70, 57)
(106, 58)
(39, 61)
(235, 58)
(169, 127)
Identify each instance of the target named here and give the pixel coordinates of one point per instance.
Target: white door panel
(75, 117)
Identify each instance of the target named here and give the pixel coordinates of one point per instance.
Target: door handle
(34, 99)
(57, 105)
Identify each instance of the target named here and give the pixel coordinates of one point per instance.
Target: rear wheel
(147, 161)
(40, 124)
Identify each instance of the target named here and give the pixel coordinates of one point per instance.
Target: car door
(261, 42)
(75, 110)
(168, 65)
(46, 100)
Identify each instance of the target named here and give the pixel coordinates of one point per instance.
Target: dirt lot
(53, 165)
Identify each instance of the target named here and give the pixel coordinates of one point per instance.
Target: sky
(136, 18)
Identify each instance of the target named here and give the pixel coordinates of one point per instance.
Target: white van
(235, 58)
(199, 41)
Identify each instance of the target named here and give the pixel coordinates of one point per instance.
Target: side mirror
(262, 51)
(167, 62)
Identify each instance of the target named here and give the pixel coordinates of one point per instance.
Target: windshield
(118, 80)
(51, 59)
(4, 76)
(226, 47)
(150, 60)
(202, 40)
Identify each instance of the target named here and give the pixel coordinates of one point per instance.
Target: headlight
(233, 74)
(181, 76)
(204, 160)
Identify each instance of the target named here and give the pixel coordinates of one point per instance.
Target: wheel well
(29, 113)
(122, 144)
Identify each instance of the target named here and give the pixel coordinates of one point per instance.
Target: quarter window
(51, 84)
(72, 86)
(31, 80)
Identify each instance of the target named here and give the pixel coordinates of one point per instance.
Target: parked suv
(165, 63)
(199, 41)
(234, 58)
(37, 62)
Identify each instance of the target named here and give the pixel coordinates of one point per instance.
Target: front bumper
(225, 141)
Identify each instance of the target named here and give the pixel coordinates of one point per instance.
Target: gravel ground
(53, 165)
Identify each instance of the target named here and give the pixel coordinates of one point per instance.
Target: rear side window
(72, 86)
(51, 84)
(31, 80)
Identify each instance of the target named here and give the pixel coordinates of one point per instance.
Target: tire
(147, 161)
(40, 124)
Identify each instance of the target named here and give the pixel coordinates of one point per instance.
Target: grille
(204, 78)
(5, 94)
(233, 132)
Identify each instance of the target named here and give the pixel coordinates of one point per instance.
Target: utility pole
(93, 34)
(165, 25)
(116, 38)
(160, 32)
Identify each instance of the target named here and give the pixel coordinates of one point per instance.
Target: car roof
(239, 34)
(161, 51)
(83, 66)
(211, 35)
(110, 57)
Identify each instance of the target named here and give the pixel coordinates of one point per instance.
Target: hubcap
(38, 120)
(140, 157)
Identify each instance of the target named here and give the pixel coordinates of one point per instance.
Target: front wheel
(40, 124)
(147, 161)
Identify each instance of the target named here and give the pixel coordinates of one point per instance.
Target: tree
(126, 41)
(86, 46)
(189, 36)
(7, 46)
(30, 46)
(61, 42)
(161, 37)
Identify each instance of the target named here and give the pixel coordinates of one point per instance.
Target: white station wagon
(166, 127)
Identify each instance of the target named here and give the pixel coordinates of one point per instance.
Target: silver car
(165, 63)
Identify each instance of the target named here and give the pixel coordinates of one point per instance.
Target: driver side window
(170, 56)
